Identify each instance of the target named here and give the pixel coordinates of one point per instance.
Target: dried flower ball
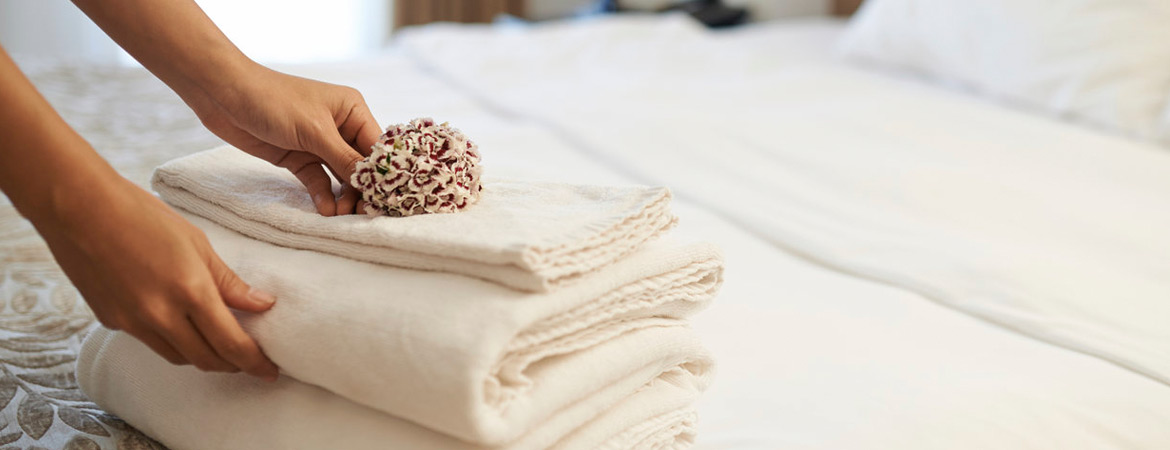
(419, 168)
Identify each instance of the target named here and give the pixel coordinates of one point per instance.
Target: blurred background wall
(293, 31)
(53, 28)
(272, 31)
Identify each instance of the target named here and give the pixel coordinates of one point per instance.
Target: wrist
(226, 77)
(218, 81)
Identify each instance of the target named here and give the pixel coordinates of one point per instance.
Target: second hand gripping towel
(462, 356)
(526, 235)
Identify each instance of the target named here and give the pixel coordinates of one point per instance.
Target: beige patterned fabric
(136, 123)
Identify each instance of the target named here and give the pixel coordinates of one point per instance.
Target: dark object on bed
(712, 13)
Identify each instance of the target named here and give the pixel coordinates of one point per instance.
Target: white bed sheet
(810, 357)
(1051, 229)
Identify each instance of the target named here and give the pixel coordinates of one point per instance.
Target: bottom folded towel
(188, 409)
(465, 357)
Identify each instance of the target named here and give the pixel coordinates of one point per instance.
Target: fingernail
(261, 297)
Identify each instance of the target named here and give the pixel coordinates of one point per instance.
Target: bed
(898, 284)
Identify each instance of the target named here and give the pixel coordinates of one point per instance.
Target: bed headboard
(845, 8)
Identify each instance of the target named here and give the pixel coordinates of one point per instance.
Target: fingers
(337, 137)
(359, 128)
(231, 343)
(320, 188)
(167, 331)
(181, 334)
(161, 346)
(235, 292)
(339, 156)
(350, 137)
(197, 327)
(207, 336)
(308, 170)
(350, 196)
(222, 329)
(268, 152)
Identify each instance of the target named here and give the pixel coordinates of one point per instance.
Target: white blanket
(465, 357)
(1054, 231)
(525, 235)
(188, 409)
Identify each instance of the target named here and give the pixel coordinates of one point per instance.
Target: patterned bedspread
(136, 123)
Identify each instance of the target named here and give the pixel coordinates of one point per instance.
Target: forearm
(302, 125)
(43, 162)
(177, 42)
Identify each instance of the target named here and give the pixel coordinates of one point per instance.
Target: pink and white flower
(419, 168)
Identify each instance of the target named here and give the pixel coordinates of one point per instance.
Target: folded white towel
(526, 235)
(463, 356)
(187, 409)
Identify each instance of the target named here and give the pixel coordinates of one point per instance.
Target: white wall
(292, 31)
(53, 29)
(270, 31)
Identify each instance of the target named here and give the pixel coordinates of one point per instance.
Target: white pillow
(1105, 62)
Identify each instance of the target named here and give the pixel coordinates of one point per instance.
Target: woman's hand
(138, 264)
(302, 125)
(145, 270)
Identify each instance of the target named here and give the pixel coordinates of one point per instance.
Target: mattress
(811, 355)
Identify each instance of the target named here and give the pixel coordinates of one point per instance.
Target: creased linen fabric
(530, 236)
(463, 356)
(178, 405)
(1054, 231)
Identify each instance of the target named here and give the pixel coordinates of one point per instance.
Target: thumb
(235, 292)
(338, 155)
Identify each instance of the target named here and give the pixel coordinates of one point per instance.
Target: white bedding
(811, 355)
(1045, 241)
(1037, 225)
(1100, 62)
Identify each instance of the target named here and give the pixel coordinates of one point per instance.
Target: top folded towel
(530, 236)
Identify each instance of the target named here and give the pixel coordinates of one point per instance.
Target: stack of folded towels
(546, 316)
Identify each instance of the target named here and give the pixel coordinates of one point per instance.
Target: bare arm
(305, 126)
(176, 41)
(140, 266)
(36, 145)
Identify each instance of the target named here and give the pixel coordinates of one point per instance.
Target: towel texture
(178, 405)
(466, 357)
(525, 235)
